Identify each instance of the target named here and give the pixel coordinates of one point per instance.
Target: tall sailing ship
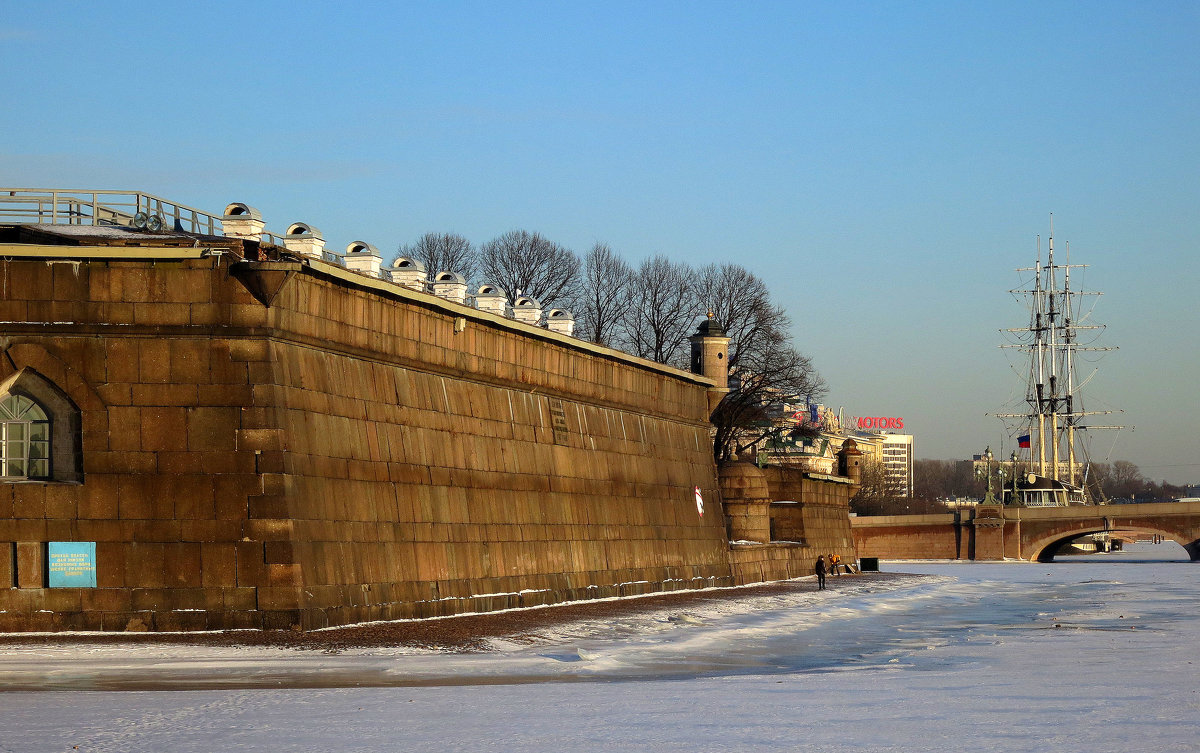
(1051, 466)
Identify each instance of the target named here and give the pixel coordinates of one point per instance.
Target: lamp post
(1013, 499)
(990, 499)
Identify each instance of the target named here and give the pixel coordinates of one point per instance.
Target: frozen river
(1078, 655)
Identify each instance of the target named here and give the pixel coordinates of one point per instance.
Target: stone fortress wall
(285, 443)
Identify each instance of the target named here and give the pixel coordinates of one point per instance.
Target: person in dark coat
(820, 572)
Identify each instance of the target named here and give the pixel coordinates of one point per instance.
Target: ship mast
(1069, 368)
(1052, 329)
(1039, 356)
(1053, 341)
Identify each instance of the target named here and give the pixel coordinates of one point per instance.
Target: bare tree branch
(771, 372)
(764, 368)
(443, 252)
(663, 308)
(881, 494)
(529, 264)
(740, 301)
(604, 295)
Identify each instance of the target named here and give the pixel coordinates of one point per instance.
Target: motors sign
(881, 422)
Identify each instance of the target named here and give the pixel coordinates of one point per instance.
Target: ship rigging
(1049, 428)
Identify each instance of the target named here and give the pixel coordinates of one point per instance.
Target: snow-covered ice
(1076, 655)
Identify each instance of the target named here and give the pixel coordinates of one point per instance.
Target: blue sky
(885, 166)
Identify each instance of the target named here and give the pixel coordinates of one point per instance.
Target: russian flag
(1023, 441)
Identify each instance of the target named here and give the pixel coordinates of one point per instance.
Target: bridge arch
(1045, 548)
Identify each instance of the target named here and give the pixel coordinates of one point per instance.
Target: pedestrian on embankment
(820, 570)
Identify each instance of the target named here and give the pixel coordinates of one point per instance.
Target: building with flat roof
(896, 454)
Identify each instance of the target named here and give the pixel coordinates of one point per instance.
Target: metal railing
(52, 206)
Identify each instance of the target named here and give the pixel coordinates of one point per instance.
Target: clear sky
(885, 166)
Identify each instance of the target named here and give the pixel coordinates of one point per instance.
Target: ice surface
(1070, 656)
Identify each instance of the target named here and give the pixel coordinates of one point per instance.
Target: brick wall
(341, 455)
(808, 517)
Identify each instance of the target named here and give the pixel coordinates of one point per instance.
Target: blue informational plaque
(72, 564)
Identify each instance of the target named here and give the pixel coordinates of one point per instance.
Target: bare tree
(740, 301)
(530, 264)
(1125, 480)
(604, 295)
(663, 308)
(1122, 480)
(764, 368)
(879, 493)
(941, 479)
(882, 494)
(443, 252)
(771, 371)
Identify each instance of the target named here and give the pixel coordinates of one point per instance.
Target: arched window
(24, 439)
(41, 434)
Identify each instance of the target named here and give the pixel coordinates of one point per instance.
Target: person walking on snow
(820, 569)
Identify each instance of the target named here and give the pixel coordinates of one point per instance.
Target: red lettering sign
(881, 422)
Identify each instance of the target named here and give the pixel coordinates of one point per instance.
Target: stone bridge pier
(995, 532)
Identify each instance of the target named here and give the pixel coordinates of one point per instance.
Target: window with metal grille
(24, 439)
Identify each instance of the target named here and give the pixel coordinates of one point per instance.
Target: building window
(40, 431)
(24, 439)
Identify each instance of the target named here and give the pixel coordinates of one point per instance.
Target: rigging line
(1113, 446)
(1086, 379)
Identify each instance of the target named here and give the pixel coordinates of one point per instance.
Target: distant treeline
(936, 481)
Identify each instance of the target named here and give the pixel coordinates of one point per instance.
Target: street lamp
(1013, 458)
(990, 499)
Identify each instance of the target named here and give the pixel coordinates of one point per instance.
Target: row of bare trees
(649, 310)
(519, 261)
(935, 481)
(1118, 481)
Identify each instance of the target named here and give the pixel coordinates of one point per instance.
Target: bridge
(1035, 534)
